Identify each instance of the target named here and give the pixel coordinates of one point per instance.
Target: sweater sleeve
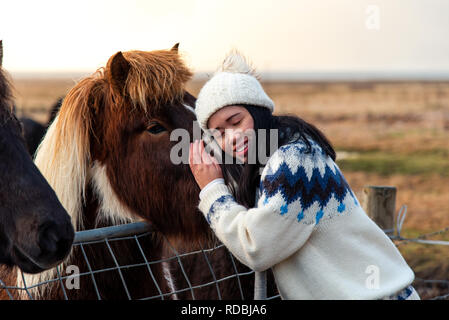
(209, 185)
(276, 228)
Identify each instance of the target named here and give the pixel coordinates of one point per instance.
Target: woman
(295, 214)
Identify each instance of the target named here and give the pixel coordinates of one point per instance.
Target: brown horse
(35, 230)
(107, 155)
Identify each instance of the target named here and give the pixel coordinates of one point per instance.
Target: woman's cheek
(227, 146)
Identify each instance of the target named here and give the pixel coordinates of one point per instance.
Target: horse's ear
(1, 52)
(175, 48)
(119, 71)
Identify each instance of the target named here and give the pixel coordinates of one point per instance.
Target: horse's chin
(28, 264)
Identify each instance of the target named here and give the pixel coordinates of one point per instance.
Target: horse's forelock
(156, 78)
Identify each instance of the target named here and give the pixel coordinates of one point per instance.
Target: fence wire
(134, 232)
(137, 232)
(399, 240)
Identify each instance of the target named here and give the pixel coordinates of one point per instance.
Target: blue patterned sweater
(309, 227)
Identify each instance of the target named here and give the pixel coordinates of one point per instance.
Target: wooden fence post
(379, 202)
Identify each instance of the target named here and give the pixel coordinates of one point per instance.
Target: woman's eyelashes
(237, 120)
(220, 133)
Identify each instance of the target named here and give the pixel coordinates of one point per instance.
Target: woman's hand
(205, 167)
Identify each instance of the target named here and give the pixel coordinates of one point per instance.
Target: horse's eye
(156, 128)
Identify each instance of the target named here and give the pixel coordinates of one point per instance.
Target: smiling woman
(233, 108)
(229, 126)
(303, 213)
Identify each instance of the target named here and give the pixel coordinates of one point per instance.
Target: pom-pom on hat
(234, 83)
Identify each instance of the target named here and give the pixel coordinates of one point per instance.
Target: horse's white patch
(169, 278)
(111, 209)
(189, 108)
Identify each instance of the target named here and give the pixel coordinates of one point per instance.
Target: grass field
(386, 133)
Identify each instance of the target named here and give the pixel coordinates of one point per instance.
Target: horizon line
(319, 75)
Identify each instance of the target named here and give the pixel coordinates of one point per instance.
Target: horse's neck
(103, 206)
(89, 211)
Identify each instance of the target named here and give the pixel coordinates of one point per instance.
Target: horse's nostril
(48, 239)
(54, 241)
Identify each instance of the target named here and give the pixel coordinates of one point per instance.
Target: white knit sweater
(309, 227)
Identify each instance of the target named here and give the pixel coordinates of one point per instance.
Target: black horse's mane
(5, 97)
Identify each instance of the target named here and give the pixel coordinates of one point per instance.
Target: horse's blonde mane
(155, 78)
(64, 154)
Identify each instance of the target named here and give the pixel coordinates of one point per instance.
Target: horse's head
(35, 230)
(111, 142)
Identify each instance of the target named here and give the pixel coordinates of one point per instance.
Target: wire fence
(134, 232)
(140, 232)
(399, 240)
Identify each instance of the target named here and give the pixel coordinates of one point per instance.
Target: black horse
(35, 231)
(34, 131)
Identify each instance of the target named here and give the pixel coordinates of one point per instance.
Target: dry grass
(40, 94)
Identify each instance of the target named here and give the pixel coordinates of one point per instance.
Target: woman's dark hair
(290, 128)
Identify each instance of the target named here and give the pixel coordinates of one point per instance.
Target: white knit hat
(234, 83)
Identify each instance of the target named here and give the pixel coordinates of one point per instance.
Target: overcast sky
(279, 35)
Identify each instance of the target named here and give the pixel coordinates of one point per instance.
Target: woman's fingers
(205, 156)
(204, 167)
(199, 155)
(196, 153)
(190, 154)
(210, 158)
(213, 159)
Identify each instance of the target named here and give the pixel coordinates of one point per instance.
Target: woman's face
(232, 127)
